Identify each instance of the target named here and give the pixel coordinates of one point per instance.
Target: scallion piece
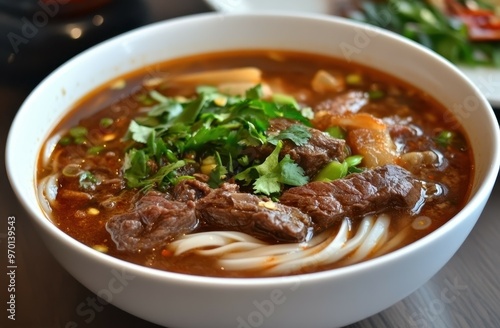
(78, 132)
(332, 171)
(95, 150)
(336, 132)
(376, 94)
(445, 138)
(283, 99)
(106, 122)
(72, 170)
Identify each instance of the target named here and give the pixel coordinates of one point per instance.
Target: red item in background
(482, 24)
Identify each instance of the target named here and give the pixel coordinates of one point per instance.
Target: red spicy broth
(104, 184)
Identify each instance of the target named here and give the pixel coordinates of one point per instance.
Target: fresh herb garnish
(269, 177)
(298, 134)
(218, 174)
(175, 132)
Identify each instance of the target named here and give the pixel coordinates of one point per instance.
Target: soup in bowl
(235, 174)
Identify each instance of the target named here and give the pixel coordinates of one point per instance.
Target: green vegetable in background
(422, 22)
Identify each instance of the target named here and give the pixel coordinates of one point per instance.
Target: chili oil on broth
(83, 214)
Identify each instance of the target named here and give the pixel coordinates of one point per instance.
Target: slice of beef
(227, 210)
(356, 195)
(190, 189)
(320, 150)
(154, 221)
(348, 102)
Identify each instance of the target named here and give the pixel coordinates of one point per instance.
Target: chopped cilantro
(272, 174)
(137, 172)
(255, 92)
(283, 99)
(139, 133)
(298, 134)
(244, 160)
(135, 167)
(216, 177)
(176, 131)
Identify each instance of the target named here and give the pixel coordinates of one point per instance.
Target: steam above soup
(254, 163)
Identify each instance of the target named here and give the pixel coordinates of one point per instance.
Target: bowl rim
(36, 213)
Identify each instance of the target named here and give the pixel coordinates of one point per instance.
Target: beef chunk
(190, 189)
(313, 156)
(154, 220)
(356, 195)
(348, 102)
(227, 210)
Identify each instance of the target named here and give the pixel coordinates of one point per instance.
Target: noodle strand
(239, 251)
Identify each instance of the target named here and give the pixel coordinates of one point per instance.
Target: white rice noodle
(373, 240)
(334, 249)
(211, 239)
(395, 242)
(273, 250)
(47, 192)
(49, 147)
(267, 256)
(235, 247)
(311, 256)
(238, 251)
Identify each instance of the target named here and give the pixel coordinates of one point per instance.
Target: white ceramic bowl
(326, 299)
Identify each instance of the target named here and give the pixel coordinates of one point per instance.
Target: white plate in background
(486, 79)
(312, 6)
